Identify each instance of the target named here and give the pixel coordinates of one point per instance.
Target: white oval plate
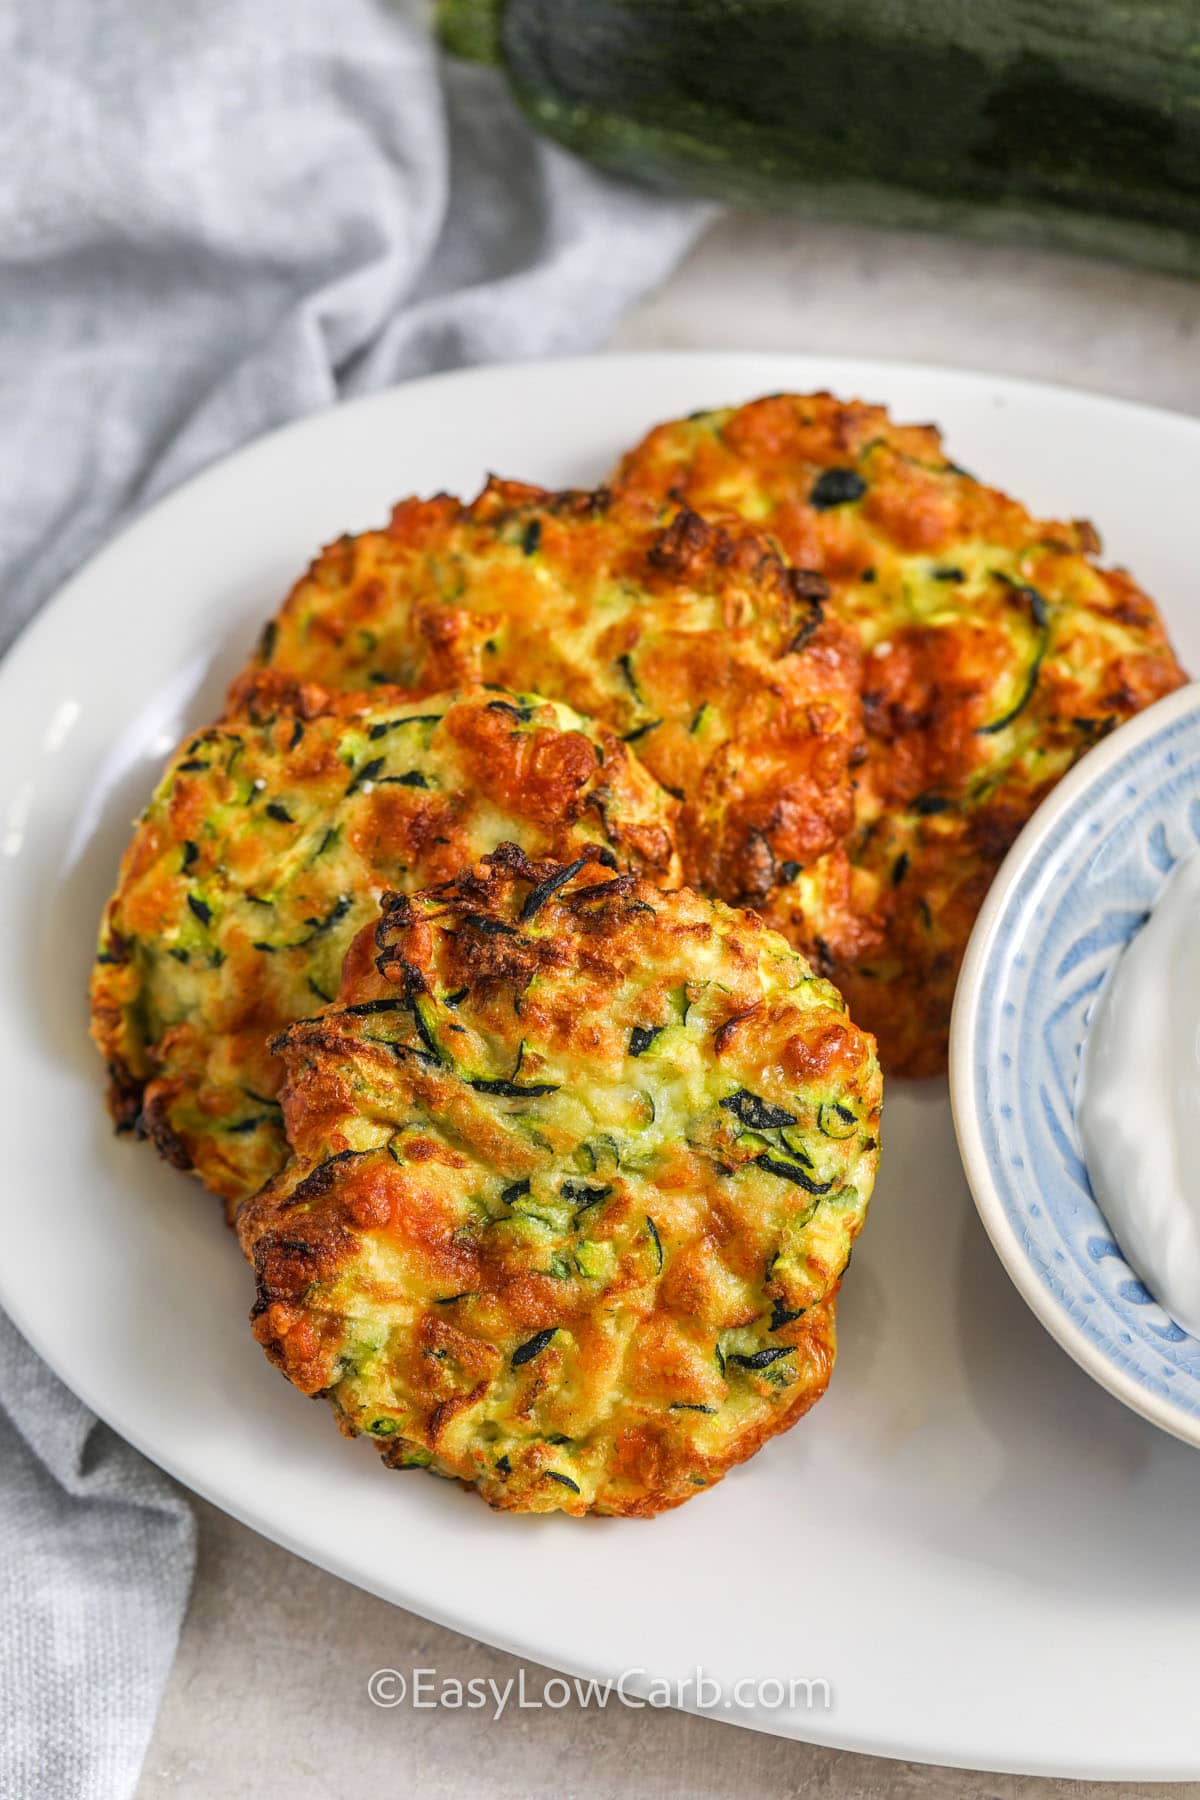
(988, 1559)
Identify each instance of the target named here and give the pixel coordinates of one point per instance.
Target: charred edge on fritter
(154, 1124)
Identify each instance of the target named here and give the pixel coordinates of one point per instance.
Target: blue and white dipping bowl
(1074, 888)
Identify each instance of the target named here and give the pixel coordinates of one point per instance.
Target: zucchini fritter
(577, 1166)
(695, 643)
(267, 845)
(996, 652)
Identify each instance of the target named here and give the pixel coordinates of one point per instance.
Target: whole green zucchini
(1075, 122)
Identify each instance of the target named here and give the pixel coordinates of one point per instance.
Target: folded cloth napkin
(212, 220)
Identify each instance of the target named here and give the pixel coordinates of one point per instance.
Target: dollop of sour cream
(1138, 1105)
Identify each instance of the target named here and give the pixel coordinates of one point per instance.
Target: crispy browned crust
(694, 642)
(577, 1169)
(267, 845)
(968, 610)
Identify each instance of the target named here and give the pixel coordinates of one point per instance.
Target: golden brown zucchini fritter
(696, 644)
(267, 845)
(996, 652)
(577, 1169)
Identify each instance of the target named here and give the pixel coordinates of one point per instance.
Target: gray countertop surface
(269, 1691)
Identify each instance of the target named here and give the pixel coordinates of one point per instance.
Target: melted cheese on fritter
(268, 844)
(577, 1166)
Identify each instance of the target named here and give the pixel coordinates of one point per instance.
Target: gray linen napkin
(212, 220)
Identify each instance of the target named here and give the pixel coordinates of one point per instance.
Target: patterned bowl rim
(990, 942)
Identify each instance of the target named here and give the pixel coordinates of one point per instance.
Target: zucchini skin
(1070, 121)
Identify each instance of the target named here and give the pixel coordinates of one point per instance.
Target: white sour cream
(1138, 1108)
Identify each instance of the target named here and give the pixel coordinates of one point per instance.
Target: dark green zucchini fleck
(537, 896)
(320, 926)
(383, 726)
(625, 664)
(836, 487)
(554, 1475)
(792, 1172)
(582, 1196)
(760, 1359)
(368, 772)
(489, 927)
(755, 1112)
(362, 1008)
(1040, 613)
(532, 1347)
(836, 1121)
(511, 1090)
